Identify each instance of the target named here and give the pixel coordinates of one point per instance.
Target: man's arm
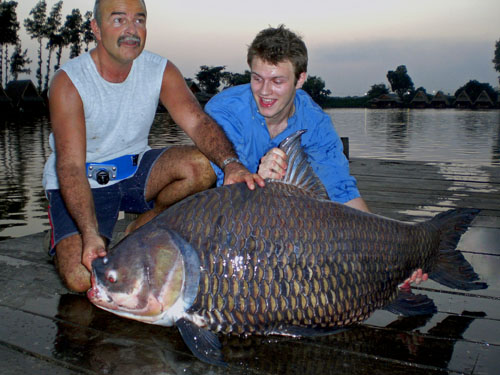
(205, 133)
(68, 126)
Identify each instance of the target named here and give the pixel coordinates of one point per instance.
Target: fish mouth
(119, 303)
(96, 297)
(94, 293)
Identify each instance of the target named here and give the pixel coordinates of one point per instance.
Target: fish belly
(277, 257)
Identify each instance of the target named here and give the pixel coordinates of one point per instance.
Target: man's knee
(193, 167)
(68, 260)
(181, 171)
(78, 281)
(200, 169)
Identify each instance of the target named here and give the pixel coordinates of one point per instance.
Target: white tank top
(118, 116)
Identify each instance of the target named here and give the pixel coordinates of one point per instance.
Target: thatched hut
(25, 97)
(484, 101)
(440, 100)
(462, 100)
(386, 101)
(420, 100)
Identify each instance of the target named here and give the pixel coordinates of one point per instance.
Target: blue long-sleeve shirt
(235, 110)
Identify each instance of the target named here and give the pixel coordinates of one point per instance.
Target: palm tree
(52, 27)
(36, 27)
(18, 61)
(72, 31)
(88, 35)
(59, 41)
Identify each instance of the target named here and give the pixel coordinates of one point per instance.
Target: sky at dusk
(351, 44)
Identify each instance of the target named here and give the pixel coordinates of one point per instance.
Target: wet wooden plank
(15, 362)
(86, 340)
(427, 170)
(484, 201)
(414, 191)
(409, 213)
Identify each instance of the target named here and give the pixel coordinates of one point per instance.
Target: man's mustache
(129, 38)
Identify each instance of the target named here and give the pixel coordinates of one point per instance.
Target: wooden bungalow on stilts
(440, 100)
(463, 101)
(420, 100)
(484, 101)
(386, 101)
(25, 97)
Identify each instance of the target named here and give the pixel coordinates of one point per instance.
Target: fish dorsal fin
(299, 172)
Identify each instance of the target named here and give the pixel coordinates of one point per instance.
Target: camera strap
(114, 169)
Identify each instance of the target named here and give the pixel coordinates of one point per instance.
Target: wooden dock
(44, 329)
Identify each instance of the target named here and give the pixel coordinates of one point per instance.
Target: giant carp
(282, 259)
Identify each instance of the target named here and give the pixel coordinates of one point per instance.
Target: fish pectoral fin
(409, 304)
(205, 345)
(297, 331)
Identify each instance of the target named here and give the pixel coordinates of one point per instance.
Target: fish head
(145, 277)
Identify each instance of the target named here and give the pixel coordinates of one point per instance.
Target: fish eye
(112, 276)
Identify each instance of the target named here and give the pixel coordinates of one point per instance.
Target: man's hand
(236, 172)
(417, 277)
(93, 247)
(273, 164)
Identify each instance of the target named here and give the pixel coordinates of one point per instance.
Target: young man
(102, 106)
(258, 116)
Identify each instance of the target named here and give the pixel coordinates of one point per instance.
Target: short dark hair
(275, 45)
(97, 10)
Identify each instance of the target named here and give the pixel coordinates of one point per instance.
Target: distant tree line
(402, 85)
(51, 34)
(210, 79)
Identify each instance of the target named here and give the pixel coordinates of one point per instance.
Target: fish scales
(302, 249)
(277, 260)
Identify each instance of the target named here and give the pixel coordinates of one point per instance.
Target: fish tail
(452, 269)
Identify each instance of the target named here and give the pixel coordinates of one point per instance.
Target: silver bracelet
(228, 161)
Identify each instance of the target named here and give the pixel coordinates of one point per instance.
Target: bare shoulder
(62, 88)
(63, 94)
(65, 103)
(61, 80)
(172, 75)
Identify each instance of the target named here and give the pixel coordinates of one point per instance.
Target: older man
(102, 106)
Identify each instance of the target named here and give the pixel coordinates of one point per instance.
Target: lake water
(470, 137)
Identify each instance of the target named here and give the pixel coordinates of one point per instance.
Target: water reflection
(93, 339)
(471, 137)
(23, 151)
